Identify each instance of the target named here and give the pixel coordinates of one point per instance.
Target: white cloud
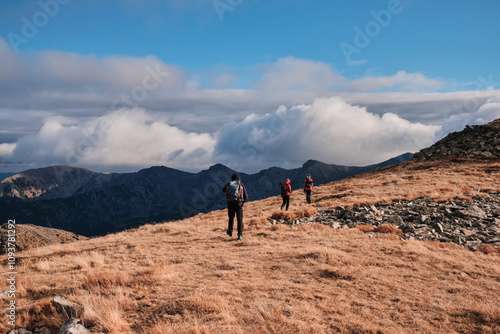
(130, 138)
(402, 80)
(7, 149)
(328, 130)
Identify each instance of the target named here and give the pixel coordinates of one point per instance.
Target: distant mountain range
(90, 203)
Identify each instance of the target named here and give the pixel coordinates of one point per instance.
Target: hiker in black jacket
(236, 195)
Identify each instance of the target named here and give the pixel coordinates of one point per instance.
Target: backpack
(283, 189)
(234, 191)
(309, 181)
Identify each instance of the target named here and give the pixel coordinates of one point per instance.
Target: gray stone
(66, 307)
(439, 228)
(423, 219)
(467, 232)
(73, 326)
(375, 211)
(395, 220)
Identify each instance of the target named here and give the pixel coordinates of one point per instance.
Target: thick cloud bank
(329, 130)
(131, 138)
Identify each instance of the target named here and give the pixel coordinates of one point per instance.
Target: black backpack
(283, 189)
(309, 181)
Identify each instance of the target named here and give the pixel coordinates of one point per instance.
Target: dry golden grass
(189, 277)
(300, 212)
(387, 228)
(31, 236)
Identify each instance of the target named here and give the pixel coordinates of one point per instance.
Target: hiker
(308, 187)
(286, 189)
(236, 195)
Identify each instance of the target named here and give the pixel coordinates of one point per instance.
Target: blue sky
(442, 39)
(418, 69)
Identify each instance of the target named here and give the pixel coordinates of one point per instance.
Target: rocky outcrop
(476, 141)
(468, 223)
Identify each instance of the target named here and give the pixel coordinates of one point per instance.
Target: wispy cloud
(401, 81)
(299, 75)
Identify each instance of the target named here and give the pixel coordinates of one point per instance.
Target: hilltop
(31, 236)
(473, 142)
(188, 276)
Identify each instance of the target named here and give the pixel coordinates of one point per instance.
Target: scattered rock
(478, 141)
(73, 326)
(66, 307)
(466, 223)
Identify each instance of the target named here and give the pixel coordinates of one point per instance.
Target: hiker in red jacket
(236, 195)
(308, 187)
(286, 189)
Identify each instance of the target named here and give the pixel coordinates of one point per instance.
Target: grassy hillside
(190, 277)
(31, 236)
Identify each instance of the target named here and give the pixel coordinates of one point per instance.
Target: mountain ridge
(91, 203)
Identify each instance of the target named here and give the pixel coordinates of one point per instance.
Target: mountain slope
(52, 182)
(189, 277)
(90, 203)
(31, 236)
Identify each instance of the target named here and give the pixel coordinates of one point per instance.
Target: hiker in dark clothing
(308, 187)
(286, 189)
(236, 195)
